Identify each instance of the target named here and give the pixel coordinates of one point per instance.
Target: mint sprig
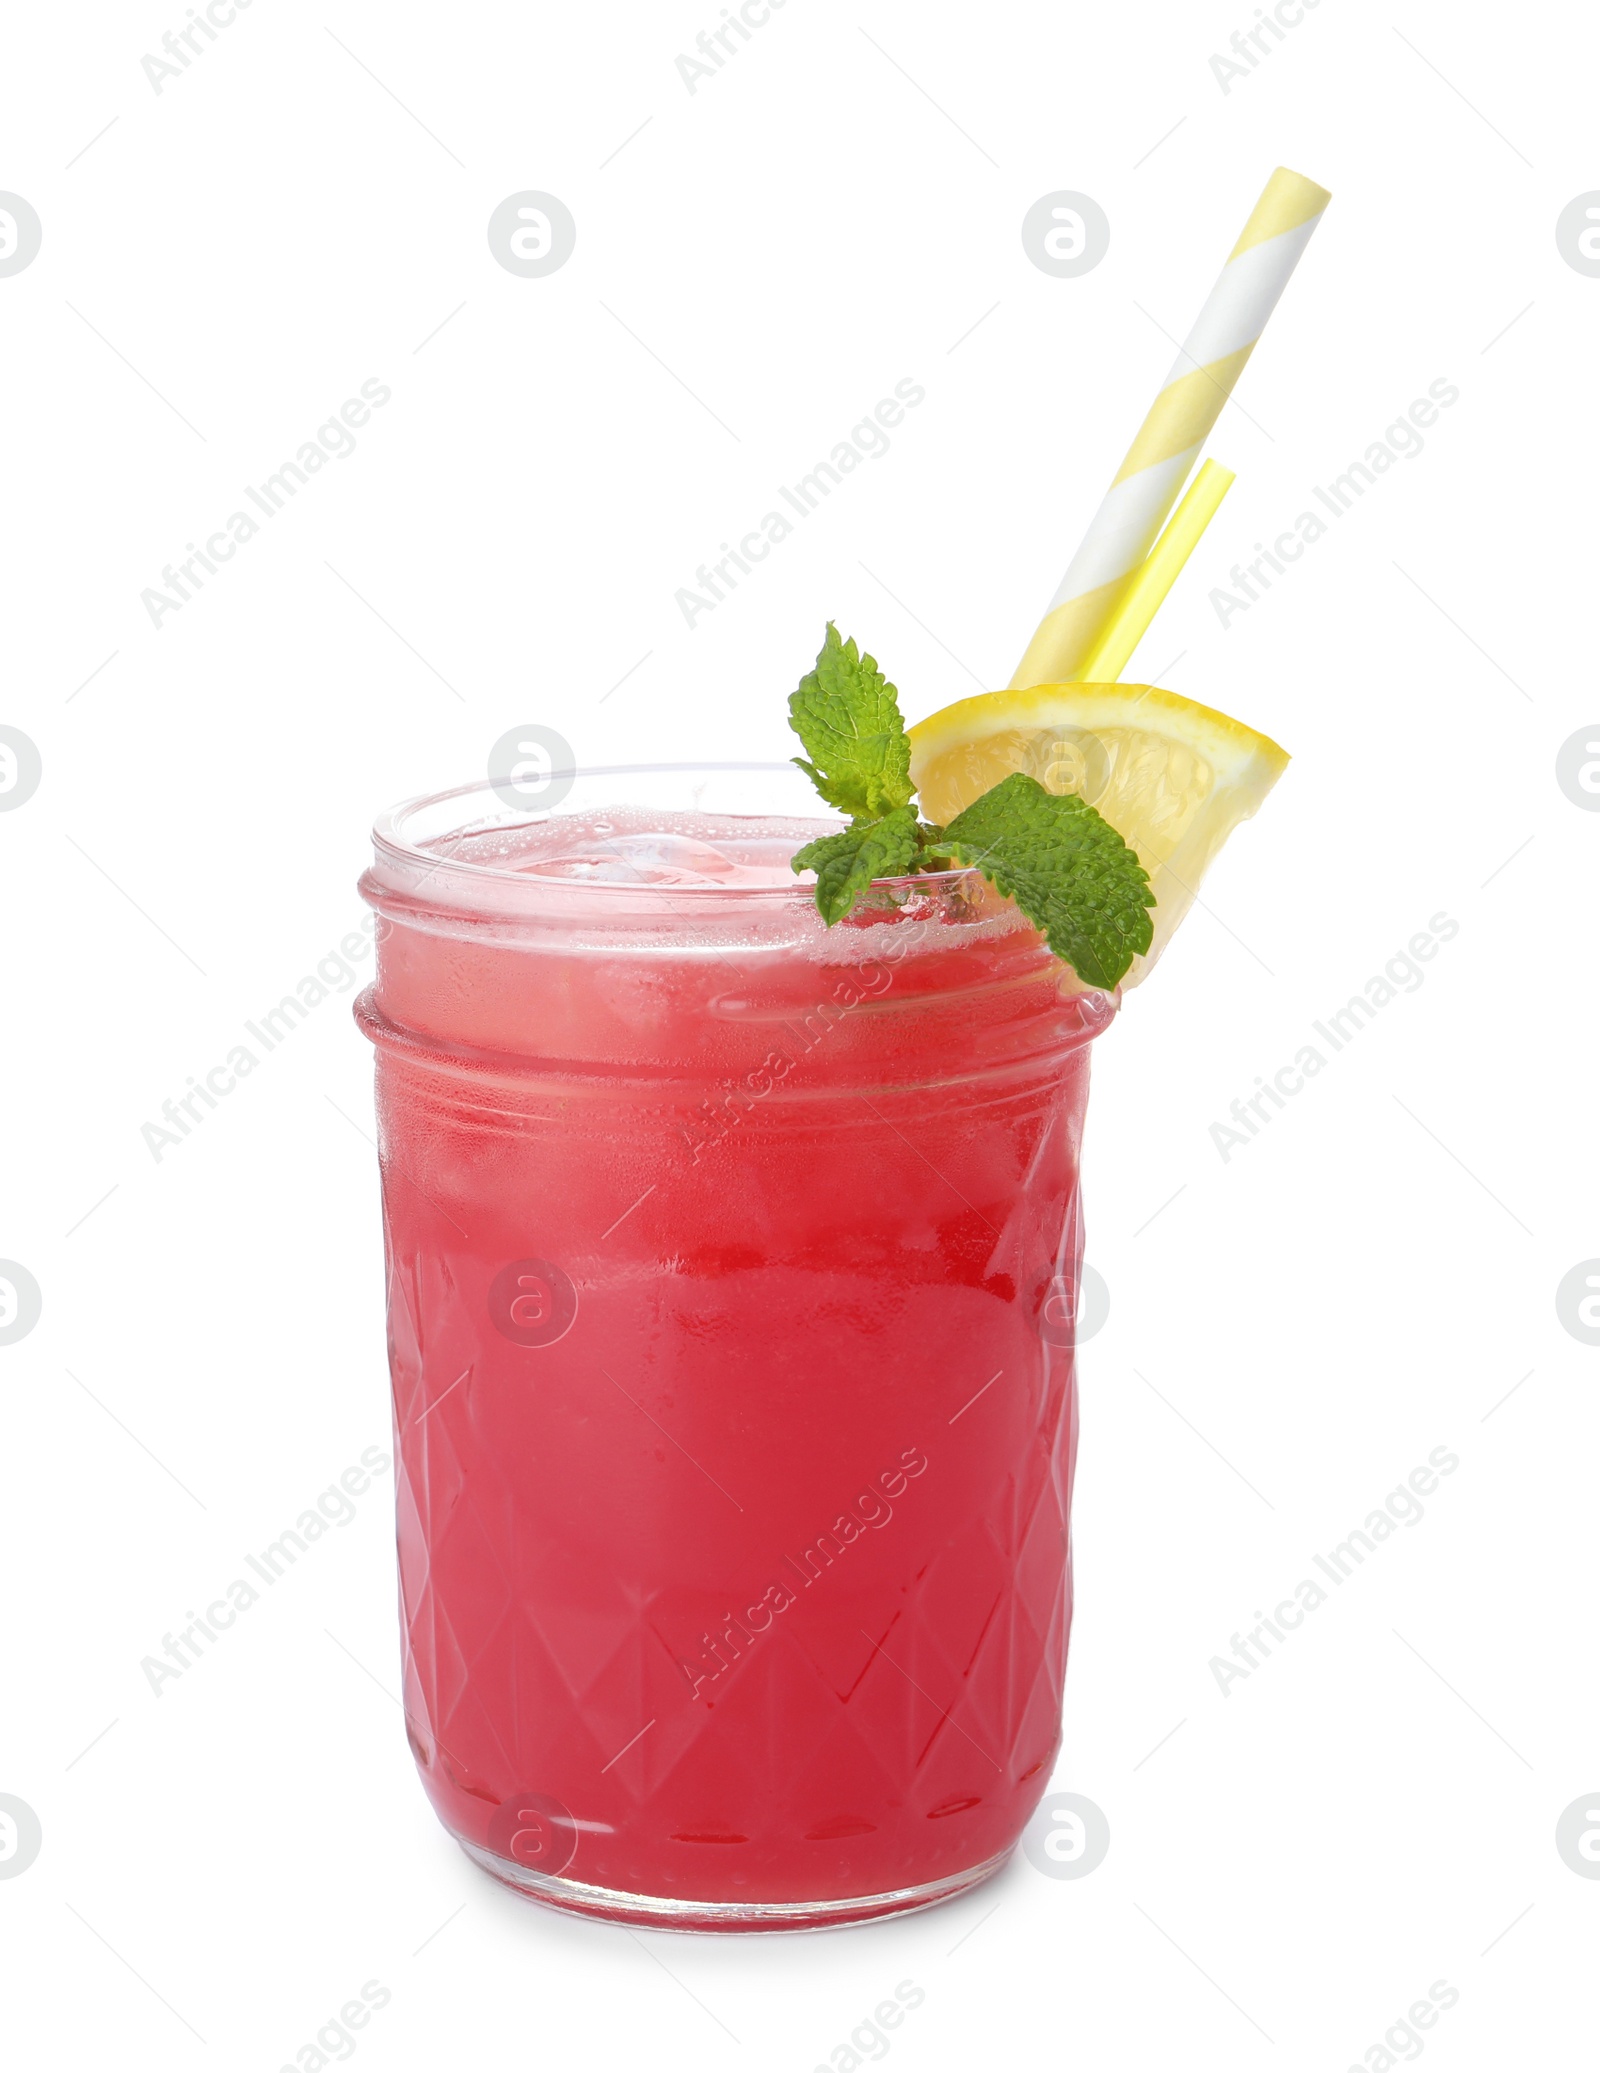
(1064, 865)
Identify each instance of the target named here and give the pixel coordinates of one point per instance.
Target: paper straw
(1155, 576)
(1169, 441)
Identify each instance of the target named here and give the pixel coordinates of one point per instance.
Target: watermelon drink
(730, 1281)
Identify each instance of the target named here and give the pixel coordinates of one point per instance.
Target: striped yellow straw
(1155, 576)
(1169, 441)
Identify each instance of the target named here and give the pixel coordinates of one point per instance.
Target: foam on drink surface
(635, 845)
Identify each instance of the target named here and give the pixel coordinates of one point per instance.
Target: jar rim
(395, 847)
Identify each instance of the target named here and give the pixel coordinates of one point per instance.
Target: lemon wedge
(1172, 777)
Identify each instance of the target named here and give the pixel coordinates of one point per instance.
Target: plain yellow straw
(1155, 576)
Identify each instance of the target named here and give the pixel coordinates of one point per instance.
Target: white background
(1292, 1330)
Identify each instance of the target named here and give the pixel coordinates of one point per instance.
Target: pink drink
(729, 1265)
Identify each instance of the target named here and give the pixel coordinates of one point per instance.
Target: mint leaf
(1068, 870)
(847, 863)
(847, 716)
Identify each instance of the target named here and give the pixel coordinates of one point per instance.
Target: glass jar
(731, 1272)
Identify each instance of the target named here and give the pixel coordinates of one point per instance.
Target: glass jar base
(725, 1917)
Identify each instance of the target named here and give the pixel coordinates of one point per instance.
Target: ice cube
(649, 857)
